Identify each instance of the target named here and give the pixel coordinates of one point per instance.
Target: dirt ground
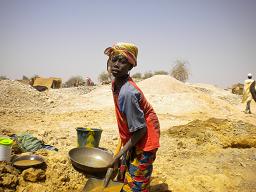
(207, 142)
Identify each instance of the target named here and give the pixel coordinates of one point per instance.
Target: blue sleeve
(128, 101)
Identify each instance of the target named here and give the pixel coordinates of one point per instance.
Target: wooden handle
(108, 177)
(118, 148)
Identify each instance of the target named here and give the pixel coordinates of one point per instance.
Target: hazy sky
(67, 38)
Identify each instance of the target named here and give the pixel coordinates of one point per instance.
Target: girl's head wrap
(129, 50)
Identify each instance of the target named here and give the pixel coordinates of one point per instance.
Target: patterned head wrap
(129, 50)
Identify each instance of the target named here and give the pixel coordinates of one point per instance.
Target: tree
(147, 75)
(75, 81)
(25, 78)
(104, 78)
(161, 72)
(137, 76)
(2, 77)
(180, 71)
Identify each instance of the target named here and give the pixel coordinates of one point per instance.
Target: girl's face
(119, 66)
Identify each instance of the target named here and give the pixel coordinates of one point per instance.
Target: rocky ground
(207, 142)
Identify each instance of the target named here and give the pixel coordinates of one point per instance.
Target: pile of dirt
(170, 96)
(164, 84)
(237, 88)
(8, 177)
(16, 96)
(222, 132)
(166, 94)
(58, 175)
(208, 155)
(219, 93)
(69, 93)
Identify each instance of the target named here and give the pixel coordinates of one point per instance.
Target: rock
(7, 168)
(64, 178)
(6, 190)
(157, 185)
(8, 180)
(43, 152)
(33, 175)
(9, 176)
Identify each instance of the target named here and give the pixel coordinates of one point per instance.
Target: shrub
(104, 78)
(137, 76)
(2, 77)
(25, 78)
(180, 71)
(161, 73)
(75, 81)
(147, 75)
(237, 89)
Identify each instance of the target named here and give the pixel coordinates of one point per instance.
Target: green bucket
(88, 137)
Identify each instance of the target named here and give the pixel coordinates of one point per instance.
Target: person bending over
(138, 125)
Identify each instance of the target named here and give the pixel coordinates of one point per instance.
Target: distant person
(88, 81)
(248, 93)
(137, 122)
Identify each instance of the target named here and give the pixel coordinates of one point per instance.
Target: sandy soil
(207, 142)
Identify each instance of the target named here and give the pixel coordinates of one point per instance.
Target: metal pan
(92, 161)
(27, 161)
(96, 185)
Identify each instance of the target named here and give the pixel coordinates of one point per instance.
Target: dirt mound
(209, 155)
(222, 132)
(237, 88)
(59, 175)
(69, 93)
(217, 92)
(9, 177)
(18, 96)
(166, 94)
(163, 84)
(169, 96)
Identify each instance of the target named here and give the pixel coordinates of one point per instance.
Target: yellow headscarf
(129, 50)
